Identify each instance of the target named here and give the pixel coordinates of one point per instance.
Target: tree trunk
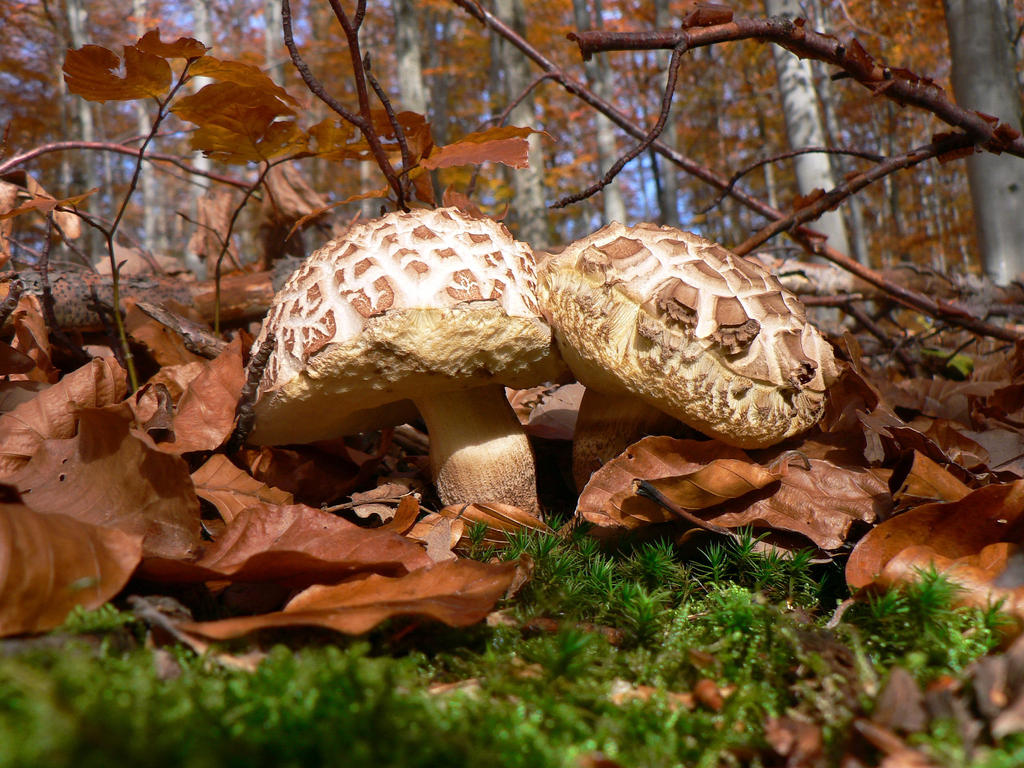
(203, 31)
(86, 174)
(600, 82)
(531, 215)
(152, 211)
(984, 79)
(666, 171)
(273, 41)
(804, 127)
(407, 51)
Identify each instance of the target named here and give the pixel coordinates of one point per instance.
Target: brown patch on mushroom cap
(705, 335)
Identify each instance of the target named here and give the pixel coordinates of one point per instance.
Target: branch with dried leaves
(810, 240)
(362, 120)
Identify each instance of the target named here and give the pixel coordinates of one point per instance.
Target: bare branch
(901, 85)
(811, 241)
(363, 121)
(104, 146)
(618, 165)
(831, 198)
(874, 157)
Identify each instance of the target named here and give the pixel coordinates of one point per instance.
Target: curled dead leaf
(500, 520)
(51, 563)
(206, 412)
(231, 490)
(112, 476)
(54, 412)
(294, 545)
(457, 593)
(962, 528)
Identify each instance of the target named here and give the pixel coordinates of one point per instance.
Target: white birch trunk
(531, 214)
(607, 150)
(804, 128)
(668, 190)
(984, 79)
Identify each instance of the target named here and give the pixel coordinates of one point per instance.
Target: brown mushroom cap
(411, 306)
(704, 335)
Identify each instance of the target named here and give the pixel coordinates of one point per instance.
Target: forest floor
(607, 657)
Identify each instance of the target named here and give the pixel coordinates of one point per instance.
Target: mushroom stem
(478, 449)
(607, 425)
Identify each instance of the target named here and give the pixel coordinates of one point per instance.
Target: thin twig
(121, 149)
(226, 239)
(115, 268)
(862, 317)
(834, 196)
(872, 156)
(396, 126)
(644, 488)
(659, 126)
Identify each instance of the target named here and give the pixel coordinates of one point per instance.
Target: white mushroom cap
(410, 306)
(706, 336)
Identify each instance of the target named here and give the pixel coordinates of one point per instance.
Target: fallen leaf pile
(103, 489)
(901, 475)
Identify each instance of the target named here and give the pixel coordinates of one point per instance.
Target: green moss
(517, 694)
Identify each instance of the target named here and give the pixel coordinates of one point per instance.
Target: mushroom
(661, 324)
(435, 308)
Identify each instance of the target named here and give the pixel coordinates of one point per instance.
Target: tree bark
(668, 189)
(530, 211)
(804, 127)
(984, 79)
(203, 31)
(152, 211)
(599, 77)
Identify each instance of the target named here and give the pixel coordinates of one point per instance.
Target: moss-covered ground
(629, 657)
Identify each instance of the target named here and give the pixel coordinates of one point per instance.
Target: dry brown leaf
(457, 593)
(956, 529)
(554, 417)
(822, 503)
(293, 544)
(111, 476)
(504, 144)
(165, 346)
(313, 476)
(919, 480)
(206, 412)
(608, 500)
(231, 489)
(405, 515)
(32, 338)
(439, 534)
(53, 413)
(14, 361)
(500, 519)
(51, 563)
(175, 378)
(994, 574)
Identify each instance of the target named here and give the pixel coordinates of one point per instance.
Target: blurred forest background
(433, 58)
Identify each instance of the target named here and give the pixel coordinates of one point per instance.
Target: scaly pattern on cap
(709, 337)
(429, 299)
